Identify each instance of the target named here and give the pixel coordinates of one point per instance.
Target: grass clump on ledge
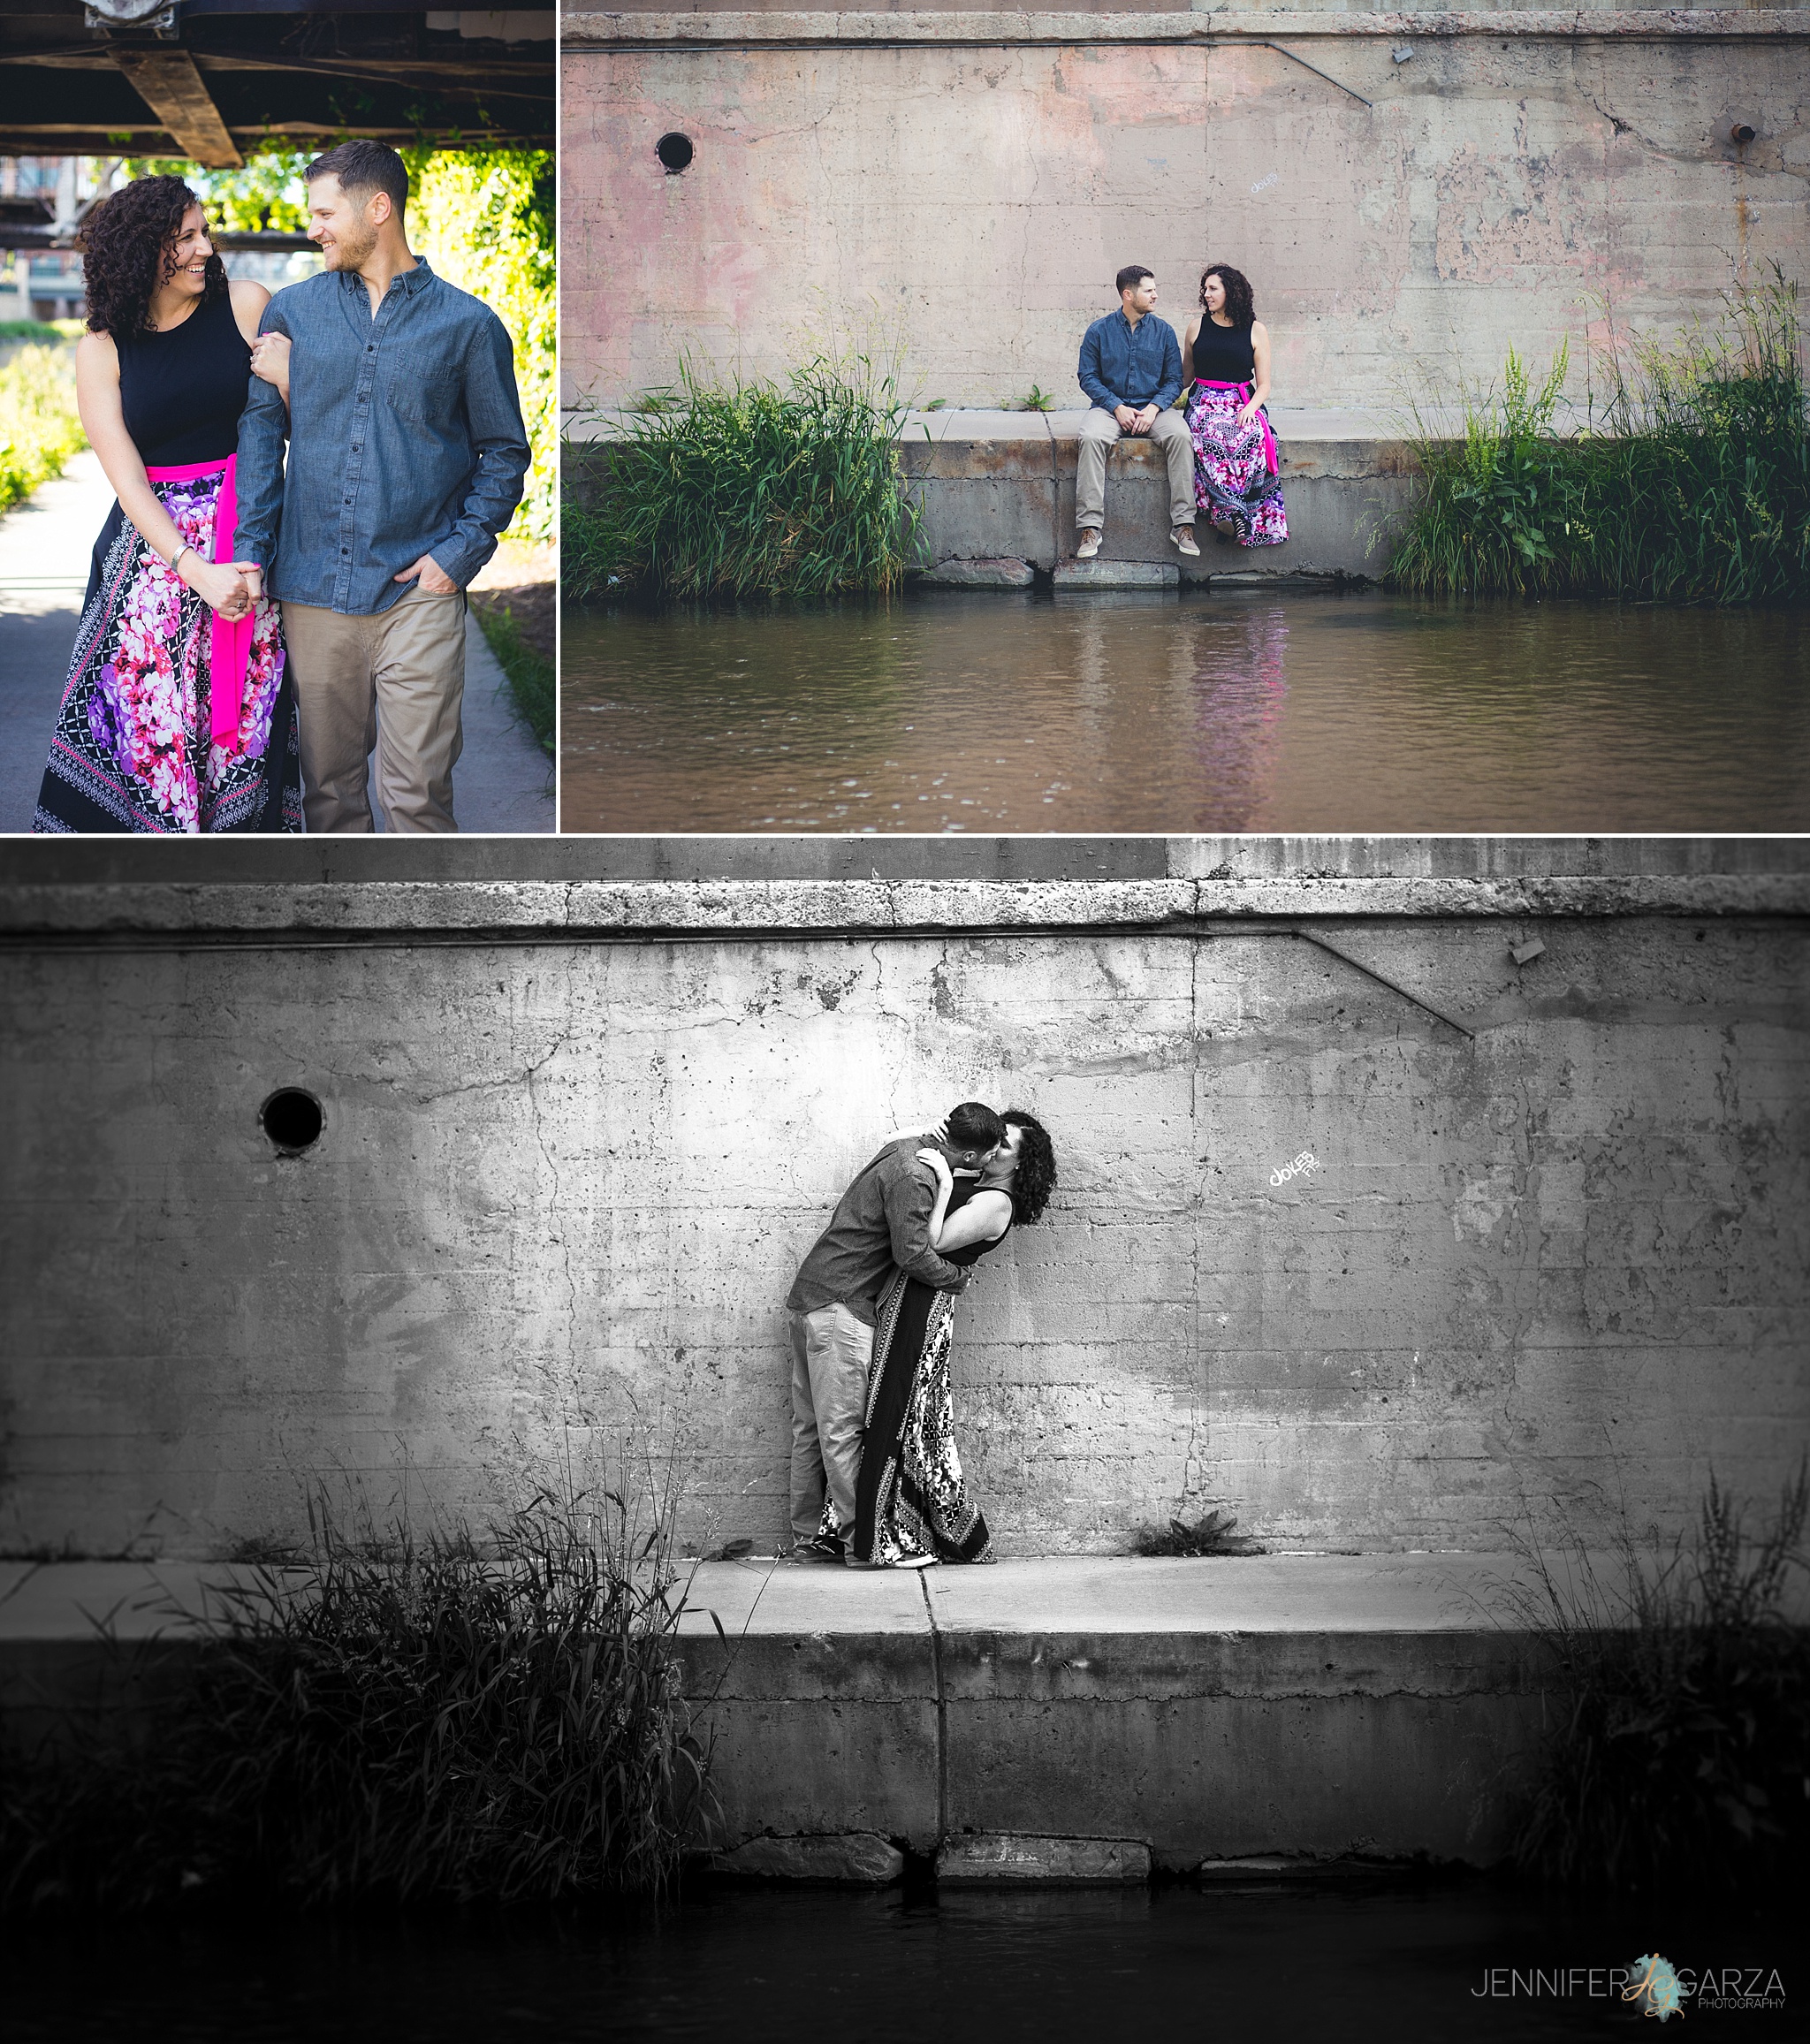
(394, 1718)
(1694, 487)
(1215, 1532)
(756, 489)
(1681, 1752)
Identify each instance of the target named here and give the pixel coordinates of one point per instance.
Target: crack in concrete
(936, 1671)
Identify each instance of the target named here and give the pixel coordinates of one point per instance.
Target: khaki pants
(394, 681)
(1100, 430)
(831, 1351)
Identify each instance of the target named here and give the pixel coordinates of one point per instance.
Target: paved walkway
(504, 781)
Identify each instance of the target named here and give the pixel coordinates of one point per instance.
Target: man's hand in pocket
(434, 578)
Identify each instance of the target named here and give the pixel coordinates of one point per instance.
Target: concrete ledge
(857, 1859)
(977, 1859)
(982, 574)
(529, 912)
(583, 29)
(1118, 575)
(1038, 1720)
(989, 485)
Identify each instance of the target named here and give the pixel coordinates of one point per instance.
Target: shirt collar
(411, 280)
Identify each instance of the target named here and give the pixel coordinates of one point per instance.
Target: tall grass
(1693, 487)
(757, 489)
(395, 1718)
(1682, 1752)
(38, 428)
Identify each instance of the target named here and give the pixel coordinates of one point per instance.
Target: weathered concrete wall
(969, 184)
(578, 1137)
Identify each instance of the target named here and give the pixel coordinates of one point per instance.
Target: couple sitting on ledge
(1221, 452)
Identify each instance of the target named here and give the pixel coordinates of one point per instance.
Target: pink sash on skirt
(231, 636)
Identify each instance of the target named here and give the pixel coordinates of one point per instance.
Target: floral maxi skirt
(137, 746)
(1236, 481)
(912, 1499)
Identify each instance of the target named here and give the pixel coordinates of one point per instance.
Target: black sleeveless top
(959, 1194)
(182, 391)
(1223, 355)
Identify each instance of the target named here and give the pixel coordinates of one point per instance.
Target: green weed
(757, 489)
(1693, 486)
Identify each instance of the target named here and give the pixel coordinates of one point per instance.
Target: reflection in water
(1239, 685)
(1314, 710)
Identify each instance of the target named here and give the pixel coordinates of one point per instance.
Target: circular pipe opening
(292, 1120)
(675, 152)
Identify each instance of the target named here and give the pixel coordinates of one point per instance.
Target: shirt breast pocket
(426, 395)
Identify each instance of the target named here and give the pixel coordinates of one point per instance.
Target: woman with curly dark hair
(177, 716)
(1236, 460)
(912, 1505)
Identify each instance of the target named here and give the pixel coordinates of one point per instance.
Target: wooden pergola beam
(169, 83)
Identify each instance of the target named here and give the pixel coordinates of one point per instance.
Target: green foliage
(1695, 489)
(46, 331)
(1215, 1532)
(758, 490)
(392, 1718)
(40, 430)
(1040, 400)
(485, 220)
(267, 195)
(531, 679)
(1681, 1753)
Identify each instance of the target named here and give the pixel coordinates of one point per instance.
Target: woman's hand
(218, 584)
(1247, 412)
(269, 359)
(940, 1164)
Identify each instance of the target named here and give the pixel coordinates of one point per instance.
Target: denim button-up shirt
(1122, 364)
(405, 438)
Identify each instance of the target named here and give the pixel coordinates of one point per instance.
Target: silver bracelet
(177, 556)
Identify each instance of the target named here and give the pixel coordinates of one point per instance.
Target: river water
(764, 1967)
(1309, 711)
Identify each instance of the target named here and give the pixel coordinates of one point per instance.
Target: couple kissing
(877, 1478)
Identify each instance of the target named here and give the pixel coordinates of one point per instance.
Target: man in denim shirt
(1131, 370)
(406, 453)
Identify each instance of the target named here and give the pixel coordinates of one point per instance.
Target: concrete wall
(578, 1137)
(965, 186)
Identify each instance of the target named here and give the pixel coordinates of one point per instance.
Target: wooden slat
(169, 85)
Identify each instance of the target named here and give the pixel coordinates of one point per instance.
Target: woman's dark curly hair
(1034, 1178)
(128, 252)
(1241, 308)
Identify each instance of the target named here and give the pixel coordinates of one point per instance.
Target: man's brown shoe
(1089, 543)
(1183, 536)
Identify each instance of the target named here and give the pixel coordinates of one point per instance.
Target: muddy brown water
(1310, 710)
